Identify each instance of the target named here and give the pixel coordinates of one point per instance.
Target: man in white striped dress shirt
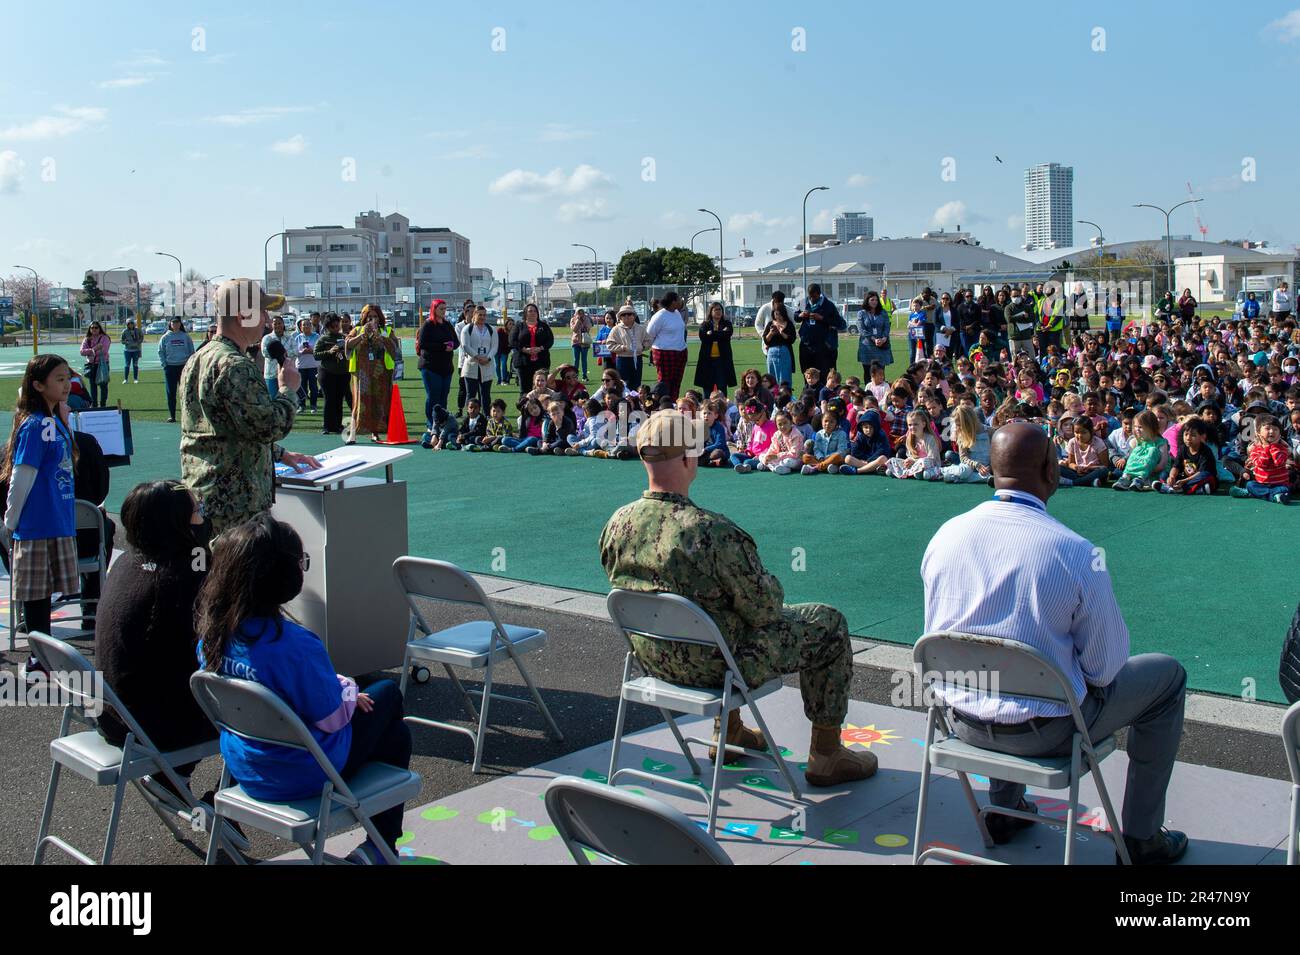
(1006, 568)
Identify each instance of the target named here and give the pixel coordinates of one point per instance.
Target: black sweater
(145, 645)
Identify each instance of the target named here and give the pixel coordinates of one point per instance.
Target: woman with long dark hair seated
(257, 567)
(144, 628)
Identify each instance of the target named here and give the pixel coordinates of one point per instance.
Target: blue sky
(122, 134)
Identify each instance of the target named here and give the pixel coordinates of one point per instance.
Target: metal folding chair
(626, 827)
(253, 712)
(1024, 672)
(674, 619)
(477, 645)
(92, 757)
(1291, 740)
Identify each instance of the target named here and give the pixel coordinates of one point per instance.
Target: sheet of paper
(106, 426)
(329, 465)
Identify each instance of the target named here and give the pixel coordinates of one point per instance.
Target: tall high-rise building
(1049, 206)
(850, 225)
(588, 272)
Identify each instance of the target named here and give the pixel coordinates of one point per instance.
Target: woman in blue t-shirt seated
(256, 568)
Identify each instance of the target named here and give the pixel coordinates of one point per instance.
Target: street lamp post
(178, 300)
(1101, 236)
(316, 270)
(711, 228)
(266, 269)
(805, 232)
(541, 274)
(1169, 239)
(720, 252)
(594, 271)
(418, 283)
(116, 268)
(36, 284)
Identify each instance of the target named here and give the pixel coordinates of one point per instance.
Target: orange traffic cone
(397, 421)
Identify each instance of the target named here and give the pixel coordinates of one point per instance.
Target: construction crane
(1200, 228)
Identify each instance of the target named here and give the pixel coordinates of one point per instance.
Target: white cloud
(447, 134)
(260, 114)
(194, 155)
(563, 133)
(216, 59)
(295, 145)
(949, 214)
(479, 151)
(673, 220)
(741, 221)
(526, 184)
(585, 210)
(1015, 222)
(858, 180)
(1286, 27)
(64, 121)
(11, 171)
(125, 82)
(141, 59)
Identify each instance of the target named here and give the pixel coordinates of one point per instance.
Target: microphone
(276, 350)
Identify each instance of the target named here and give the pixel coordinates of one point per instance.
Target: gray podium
(353, 527)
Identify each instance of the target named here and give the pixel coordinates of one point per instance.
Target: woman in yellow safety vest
(372, 350)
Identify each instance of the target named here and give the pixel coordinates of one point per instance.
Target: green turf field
(1206, 580)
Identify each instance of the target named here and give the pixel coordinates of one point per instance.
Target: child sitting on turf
(1064, 434)
(785, 450)
(896, 414)
(1086, 460)
(557, 428)
(530, 428)
(1149, 457)
(810, 397)
(832, 386)
(1120, 442)
(972, 441)
(760, 432)
(443, 432)
(918, 454)
(473, 428)
(593, 428)
(799, 415)
(498, 427)
(1268, 462)
(1195, 470)
(870, 450)
(829, 445)
(715, 453)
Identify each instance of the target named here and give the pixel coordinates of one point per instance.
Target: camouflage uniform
(228, 425)
(665, 542)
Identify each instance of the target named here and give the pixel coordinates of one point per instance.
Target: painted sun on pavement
(864, 736)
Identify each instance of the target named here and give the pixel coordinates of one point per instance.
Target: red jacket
(1270, 463)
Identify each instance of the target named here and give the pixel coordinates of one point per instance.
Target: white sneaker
(807, 469)
(833, 469)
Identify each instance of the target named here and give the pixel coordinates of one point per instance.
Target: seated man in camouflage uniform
(663, 542)
(229, 422)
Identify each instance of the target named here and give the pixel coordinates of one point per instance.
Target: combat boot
(830, 764)
(738, 734)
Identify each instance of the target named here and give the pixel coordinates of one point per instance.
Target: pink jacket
(760, 437)
(96, 350)
(783, 447)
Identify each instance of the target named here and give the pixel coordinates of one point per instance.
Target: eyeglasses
(304, 562)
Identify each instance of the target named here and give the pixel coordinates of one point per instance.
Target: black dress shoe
(1004, 828)
(1166, 846)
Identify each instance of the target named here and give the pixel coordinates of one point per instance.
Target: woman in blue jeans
(243, 633)
(580, 339)
(434, 344)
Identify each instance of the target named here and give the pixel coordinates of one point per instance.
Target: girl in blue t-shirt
(257, 567)
(40, 522)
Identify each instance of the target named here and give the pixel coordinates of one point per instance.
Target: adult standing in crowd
(270, 367)
(818, 323)
(174, 350)
(765, 315)
(94, 348)
(1039, 583)
(599, 348)
(434, 344)
(779, 336)
(304, 350)
(531, 342)
(1022, 322)
(1187, 306)
(580, 339)
(478, 351)
(873, 335)
(664, 543)
(1282, 303)
(626, 344)
(144, 631)
(228, 421)
(666, 334)
(714, 366)
(504, 326)
(465, 318)
(132, 344)
(372, 350)
(335, 381)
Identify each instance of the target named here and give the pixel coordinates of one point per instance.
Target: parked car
(559, 317)
(156, 328)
